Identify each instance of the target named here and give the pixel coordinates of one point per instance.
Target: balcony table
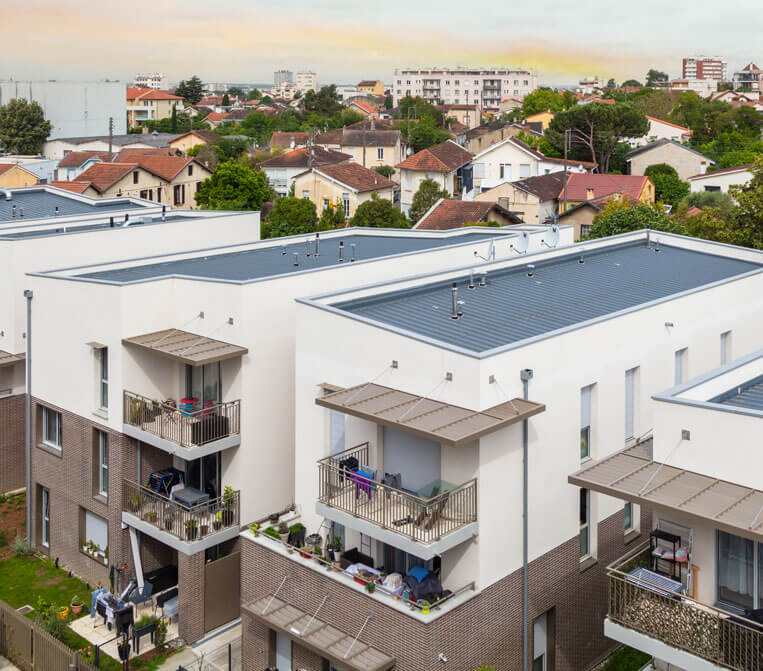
(434, 488)
(190, 496)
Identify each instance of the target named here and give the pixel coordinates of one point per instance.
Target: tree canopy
(254, 94)
(428, 193)
(233, 186)
(290, 216)
(427, 134)
(655, 77)
(23, 128)
(668, 187)
(191, 90)
(621, 216)
(631, 82)
(543, 99)
(379, 213)
(325, 101)
(226, 100)
(333, 216)
(235, 92)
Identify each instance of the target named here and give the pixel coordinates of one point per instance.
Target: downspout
(525, 375)
(28, 295)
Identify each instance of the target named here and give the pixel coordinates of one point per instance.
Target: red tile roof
(215, 116)
(736, 168)
(74, 159)
(297, 158)
(283, 138)
(102, 176)
(603, 185)
(167, 167)
(368, 82)
(445, 157)
(668, 123)
(450, 213)
(364, 106)
(5, 167)
(137, 154)
(205, 135)
(144, 93)
(76, 187)
(355, 176)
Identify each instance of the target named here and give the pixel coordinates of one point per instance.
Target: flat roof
(269, 260)
(525, 301)
(41, 203)
(69, 227)
(747, 395)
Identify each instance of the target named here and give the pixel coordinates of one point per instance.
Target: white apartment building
(73, 108)
(419, 404)
(282, 76)
(306, 81)
(151, 80)
(692, 595)
(186, 371)
(485, 87)
(705, 67)
(721, 180)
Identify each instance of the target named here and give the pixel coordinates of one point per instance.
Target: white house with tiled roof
(721, 180)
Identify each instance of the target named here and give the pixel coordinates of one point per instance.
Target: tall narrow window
(346, 204)
(51, 428)
(628, 514)
(681, 360)
(585, 519)
(725, 347)
(540, 644)
(103, 463)
(103, 367)
(630, 401)
(585, 422)
(380, 153)
(45, 518)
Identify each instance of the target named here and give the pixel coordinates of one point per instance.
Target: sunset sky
(245, 40)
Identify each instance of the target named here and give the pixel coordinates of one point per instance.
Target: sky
(343, 42)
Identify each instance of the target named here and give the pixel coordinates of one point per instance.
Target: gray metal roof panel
(560, 293)
(747, 395)
(72, 227)
(40, 204)
(263, 261)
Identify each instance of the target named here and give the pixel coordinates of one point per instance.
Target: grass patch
(24, 579)
(626, 659)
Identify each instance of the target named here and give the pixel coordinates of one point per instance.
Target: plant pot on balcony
(169, 522)
(150, 516)
(204, 530)
(191, 530)
(133, 503)
(226, 516)
(217, 524)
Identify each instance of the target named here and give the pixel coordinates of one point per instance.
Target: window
(585, 518)
(325, 204)
(630, 401)
(380, 153)
(712, 188)
(94, 529)
(540, 644)
(204, 383)
(505, 171)
(45, 518)
(585, 229)
(144, 194)
(628, 516)
(103, 376)
(681, 359)
(725, 347)
(103, 463)
(585, 422)
(736, 574)
(306, 195)
(179, 194)
(135, 176)
(516, 92)
(346, 204)
(479, 170)
(524, 170)
(51, 428)
(190, 169)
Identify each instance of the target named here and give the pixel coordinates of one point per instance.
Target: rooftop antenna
(455, 314)
(341, 251)
(317, 244)
(352, 252)
(490, 252)
(552, 238)
(296, 259)
(521, 244)
(471, 279)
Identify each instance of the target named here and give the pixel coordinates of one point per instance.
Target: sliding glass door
(204, 384)
(739, 571)
(204, 474)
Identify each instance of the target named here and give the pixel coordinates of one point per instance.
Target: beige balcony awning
(421, 416)
(186, 347)
(8, 359)
(632, 475)
(323, 639)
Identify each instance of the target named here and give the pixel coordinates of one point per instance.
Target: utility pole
(567, 137)
(364, 147)
(111, 137)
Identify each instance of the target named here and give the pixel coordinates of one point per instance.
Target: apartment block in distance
(151, 80)
(306, 81)
(419, 402)
(485, 87)
(705, 67)
(184, 378)
(282, 77)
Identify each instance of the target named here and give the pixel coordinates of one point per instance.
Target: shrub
(21, 548)
(3, 539)
(271, 531)
(47, 617)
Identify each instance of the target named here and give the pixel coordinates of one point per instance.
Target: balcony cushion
(355, 556)
(211, 427)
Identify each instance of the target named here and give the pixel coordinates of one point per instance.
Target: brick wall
(191, 596)
(12, 443)
(486, 629)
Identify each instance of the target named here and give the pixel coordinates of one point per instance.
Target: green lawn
(626, 659)
(23, 579)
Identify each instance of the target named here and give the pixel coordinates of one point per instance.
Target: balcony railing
(405, 513)
(720, 637)
(187, 429)
(188, 523)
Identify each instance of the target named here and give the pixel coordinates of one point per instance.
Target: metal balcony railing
(183, 522)
(720, 637)
(187, 429)
(420, 519)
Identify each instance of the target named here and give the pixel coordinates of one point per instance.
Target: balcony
(422, 526)
(188, 529)
(189, 434)
(675, 628)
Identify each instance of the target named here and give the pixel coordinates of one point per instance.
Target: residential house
(685, 160)
(44, 169)
(76, 162)
(214, 119)
(447, 163)
(193, 138)
(348, 184)
(592, 186)
(659, 130)
(166, 179)
(750, 78)
(721, 180)
(704, 88)
(362, 106)
(370, 148)
(510, 104)
(581, 216)
(148, 104)
(512, 159)
(705, 544)
(449, 213)
(281, 140)
(534, 199)
(282, 169)
(58, 148)
(730, 96)
(468, 115)
(450, 384)
(371, 87)
(13, 174)
(482, 137)
(542, 118)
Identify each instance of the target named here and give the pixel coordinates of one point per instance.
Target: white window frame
(726, 355)
(103, 463)
(305, 194)
(45, 518)
(380, 153)
(47, 413)
(103, 378)
(346, 204)
(584, 531)
(631, 392)
(586, 409)
(628, 526)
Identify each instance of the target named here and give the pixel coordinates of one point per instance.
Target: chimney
(292, 142)
(589, 193)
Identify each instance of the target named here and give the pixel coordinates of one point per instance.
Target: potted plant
(76, 605)
(62, 612)
(254, 528)
(133, 502)
(273, 517)
(229, 497)
(191, 529)
(336, 547)
(150, 516)
(169, 522)
(271, 531)
(314, 540)
(370, 587)
(217, 522)
(297, 534)
(425, 605)
(318, 555)
(283, 532)
(305, 552)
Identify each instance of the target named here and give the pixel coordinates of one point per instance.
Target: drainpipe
(28, 295)
(525, 375)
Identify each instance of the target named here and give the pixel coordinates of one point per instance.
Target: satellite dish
(521, 243)
(552, 237)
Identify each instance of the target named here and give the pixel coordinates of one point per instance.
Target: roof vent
(21, 211)
(13, 212)
(56, 210)
(296, 259)
(317, 244)
(530, 269)
(471, 279)
(341, 251)
(483, 279)
(307, 247)
(352, 253)
(581, 260)
(455, 314)
(8, 194)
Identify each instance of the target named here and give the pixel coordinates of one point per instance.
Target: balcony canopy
(8, 359)
(325, 640)
(186, 347)
(441, 422)
(633, 475)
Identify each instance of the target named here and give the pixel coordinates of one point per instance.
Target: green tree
(254, 94)
(621, 216)
(716, 200)
(233, 186)
(747, 216)
(230, 148)
(235, 92)
(174, 120)
(379, 213)
(388, 103)
(631, 82)
(290, 216)
(427, 134)
(544, 98)
(428, 193)
(611, 84)
(206, 154)
(332, 217)
(668, 187)
(655, 77)
(653, 102)
(597, 128)
(23, 129)
(385, 170)
(325, 102)
(226, 100)
(191, 90)
(420, 109)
